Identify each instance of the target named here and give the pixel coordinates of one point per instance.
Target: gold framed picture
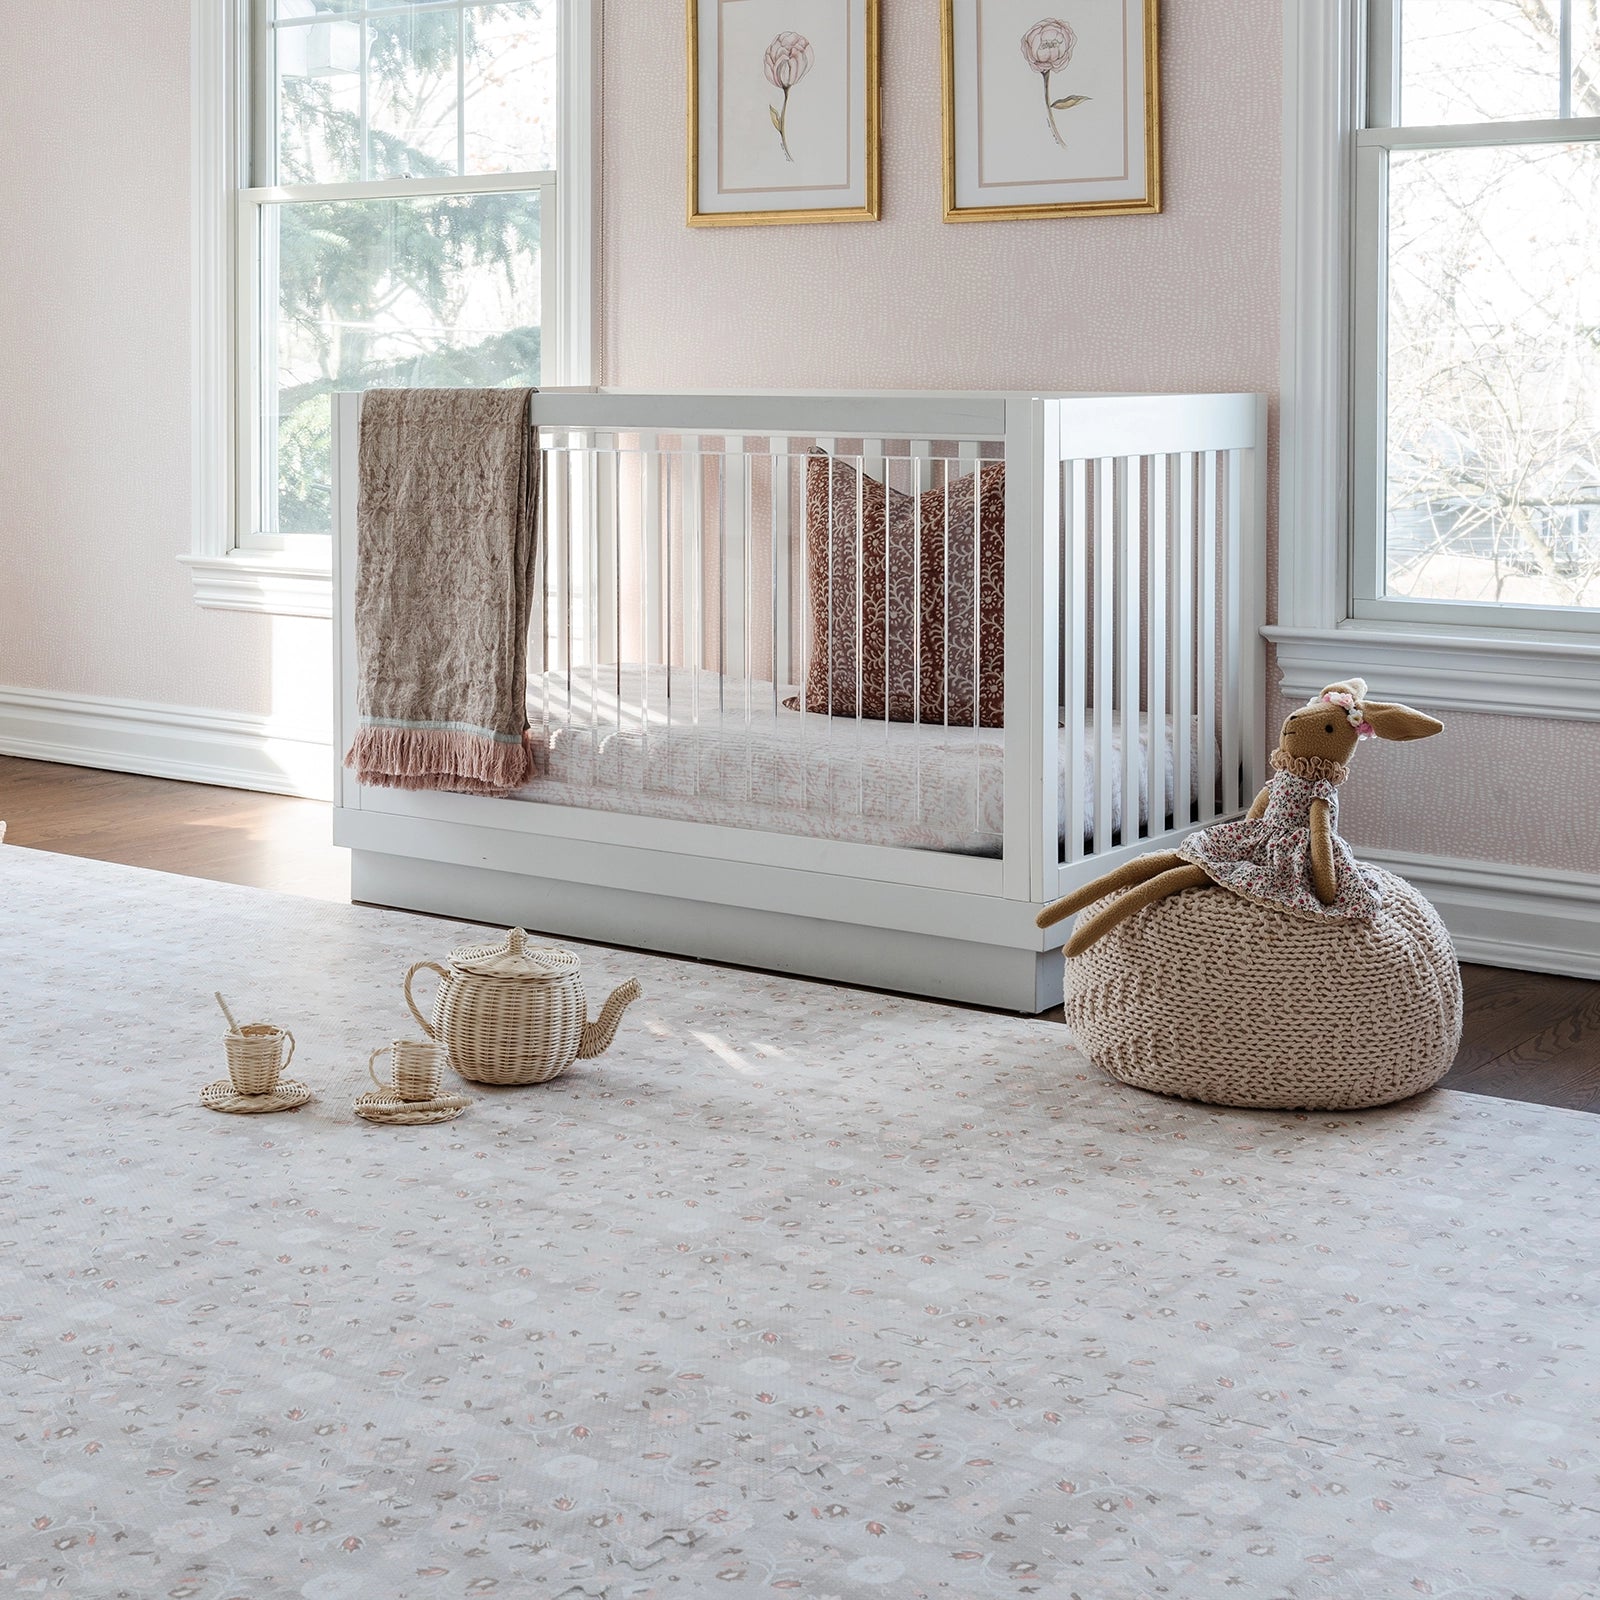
(783, 112)
(1052, 108)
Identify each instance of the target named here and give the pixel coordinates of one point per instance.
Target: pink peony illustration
(1047, 47)
(788, 60)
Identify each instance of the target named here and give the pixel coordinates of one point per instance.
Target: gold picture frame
(1144, 196)
(783, 73)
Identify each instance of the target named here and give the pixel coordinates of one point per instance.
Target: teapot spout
(597, 1035)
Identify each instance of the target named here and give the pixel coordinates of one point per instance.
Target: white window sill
(261, 581)
(1501, 671)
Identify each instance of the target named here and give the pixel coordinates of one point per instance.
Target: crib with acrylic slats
(694, 793)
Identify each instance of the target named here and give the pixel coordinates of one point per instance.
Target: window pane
(1494, 375)
(412, 94)
(511, 87)
(1586, 58)
(1479, 60)
(436, 293)
(319, 100)
(294, 8)
(290, 10)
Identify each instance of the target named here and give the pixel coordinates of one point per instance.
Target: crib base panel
(1027, 981)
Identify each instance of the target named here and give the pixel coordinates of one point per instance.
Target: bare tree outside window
(1493, 377)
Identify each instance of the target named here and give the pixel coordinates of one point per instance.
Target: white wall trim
(1437, 670)
(1529, 918)
(1442, 664)
(1321, 99)
(226, 576)
(248, 581)
(164, 741)
(214, 134)
(578, 197)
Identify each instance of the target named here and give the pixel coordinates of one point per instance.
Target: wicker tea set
(506, 1013)
(1259, 965)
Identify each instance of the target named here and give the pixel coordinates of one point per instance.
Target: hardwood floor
(1528, 1036)
(231, 835)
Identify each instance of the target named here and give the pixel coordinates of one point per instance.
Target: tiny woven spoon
(233, 1026)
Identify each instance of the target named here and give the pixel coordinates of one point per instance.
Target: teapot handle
(432, 966)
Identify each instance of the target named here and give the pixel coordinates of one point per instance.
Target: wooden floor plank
(227, 835)
(1528, 1036)
(1506, 1009)
(1558, 1063)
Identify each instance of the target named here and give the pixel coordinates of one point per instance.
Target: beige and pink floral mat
(798, 1291)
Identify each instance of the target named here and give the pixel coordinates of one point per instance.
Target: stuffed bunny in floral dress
(1287, 851)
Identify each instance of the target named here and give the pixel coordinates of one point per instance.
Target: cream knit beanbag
(1213, 997)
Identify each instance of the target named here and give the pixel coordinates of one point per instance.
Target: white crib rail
(1152, 542)
(674, 540)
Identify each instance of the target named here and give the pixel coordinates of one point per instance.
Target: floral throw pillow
(906, 596)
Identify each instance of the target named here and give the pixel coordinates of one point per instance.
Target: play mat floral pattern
(798, 1291)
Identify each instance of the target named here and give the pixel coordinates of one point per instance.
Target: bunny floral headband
(1354, 715)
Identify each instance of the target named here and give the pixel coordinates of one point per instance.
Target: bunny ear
(1390, 721)
(1354, 686)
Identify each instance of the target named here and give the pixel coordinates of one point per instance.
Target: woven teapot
(515, 1012)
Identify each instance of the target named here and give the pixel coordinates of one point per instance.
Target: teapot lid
(514, 957)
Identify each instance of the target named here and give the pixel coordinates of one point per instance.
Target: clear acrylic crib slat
(674, 633)
(648, 691)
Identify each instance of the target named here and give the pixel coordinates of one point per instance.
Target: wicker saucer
(392, 1109)
(222, 1096)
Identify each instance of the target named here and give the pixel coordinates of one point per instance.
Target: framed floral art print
(1051, 109)
(783, 111)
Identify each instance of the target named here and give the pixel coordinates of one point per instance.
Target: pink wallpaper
(1489, 788)
(94, 379)
(1185, 300)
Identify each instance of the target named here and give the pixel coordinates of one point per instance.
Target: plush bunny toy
(1287, 850)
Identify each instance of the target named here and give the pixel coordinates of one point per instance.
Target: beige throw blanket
(447, 540)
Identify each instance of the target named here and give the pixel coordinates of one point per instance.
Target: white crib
(692, 799)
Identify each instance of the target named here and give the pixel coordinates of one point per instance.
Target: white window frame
(1519, 661)
(234, 566)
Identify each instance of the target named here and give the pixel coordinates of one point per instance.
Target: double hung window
(1476, 416)
(396, 227)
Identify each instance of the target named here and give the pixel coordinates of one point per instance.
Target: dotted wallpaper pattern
(94, 385)
(1186, 300)
(1489, 788)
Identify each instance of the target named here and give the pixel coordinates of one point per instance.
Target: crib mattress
(699, 747)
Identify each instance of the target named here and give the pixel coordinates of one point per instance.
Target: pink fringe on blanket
(439, 758)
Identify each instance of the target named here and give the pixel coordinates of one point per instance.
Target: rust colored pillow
(931, 575)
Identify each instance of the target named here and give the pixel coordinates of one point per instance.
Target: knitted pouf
(1213, 997)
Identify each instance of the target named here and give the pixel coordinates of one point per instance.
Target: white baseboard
(163, 741)
(1530, 918)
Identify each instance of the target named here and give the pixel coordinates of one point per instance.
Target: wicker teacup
(256, 1058)
(417, 1069)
